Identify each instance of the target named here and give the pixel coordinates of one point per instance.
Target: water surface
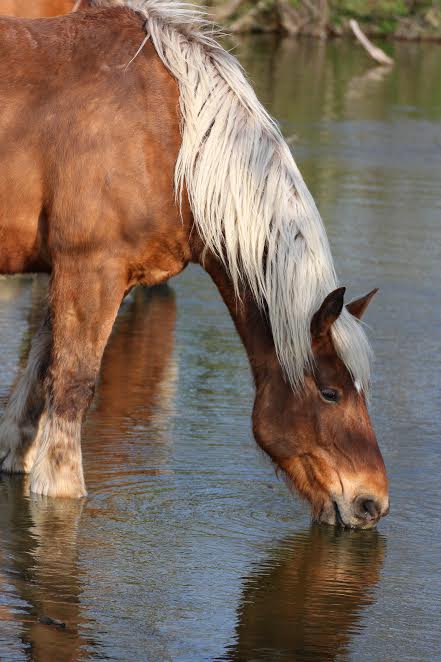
(188, 547)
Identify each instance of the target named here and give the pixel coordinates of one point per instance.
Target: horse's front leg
(19, 426)
(84, 301)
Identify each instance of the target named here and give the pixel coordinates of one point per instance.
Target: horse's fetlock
(58, 469)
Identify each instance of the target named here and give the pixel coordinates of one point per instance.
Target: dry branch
(376, 53)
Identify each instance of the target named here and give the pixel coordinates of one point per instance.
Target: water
(188, 547)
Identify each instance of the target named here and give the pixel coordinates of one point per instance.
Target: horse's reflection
(40, 569)
(127, 432)
(40, 572)
(139, 351)
(305, 603)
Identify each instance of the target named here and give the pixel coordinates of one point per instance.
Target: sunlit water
(188, 547)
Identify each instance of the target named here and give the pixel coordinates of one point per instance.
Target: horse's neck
(250, 323)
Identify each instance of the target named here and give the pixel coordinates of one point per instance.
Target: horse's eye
(329, 394)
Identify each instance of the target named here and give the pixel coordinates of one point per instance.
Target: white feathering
(249, 200)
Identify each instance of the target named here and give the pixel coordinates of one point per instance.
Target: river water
(188, 548)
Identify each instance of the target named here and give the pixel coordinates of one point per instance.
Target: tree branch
(376, 53)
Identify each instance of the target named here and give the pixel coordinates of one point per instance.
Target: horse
(132, 144)
(36, 8)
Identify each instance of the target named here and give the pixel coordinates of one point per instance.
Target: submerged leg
(84, 304)
(19, 426)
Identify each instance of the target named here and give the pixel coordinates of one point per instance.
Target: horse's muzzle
(362, 512)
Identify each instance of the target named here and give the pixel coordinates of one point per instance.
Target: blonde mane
(249, 201)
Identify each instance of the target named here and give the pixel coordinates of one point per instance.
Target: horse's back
(36, 8)
(85, 137)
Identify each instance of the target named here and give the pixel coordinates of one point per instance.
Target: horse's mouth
(338, 518)
(353, 523)
(332, 514)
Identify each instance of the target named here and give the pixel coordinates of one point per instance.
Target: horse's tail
(249, 201)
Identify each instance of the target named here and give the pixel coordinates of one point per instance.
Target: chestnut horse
(36, 8)
(131, 145)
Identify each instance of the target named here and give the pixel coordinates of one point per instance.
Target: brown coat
(88, 147)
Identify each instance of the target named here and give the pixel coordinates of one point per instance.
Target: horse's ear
(357, 308)
(328, 312)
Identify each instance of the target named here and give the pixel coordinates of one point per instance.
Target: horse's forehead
(329, 367)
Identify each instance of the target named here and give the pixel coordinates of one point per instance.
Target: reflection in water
(40, 573)
(39, 559)
(137, 377)
(305, 602)
(307, 82)
(361, 86)
(126, 437)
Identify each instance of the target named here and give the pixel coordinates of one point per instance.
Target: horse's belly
(20, 247)
(22, 224)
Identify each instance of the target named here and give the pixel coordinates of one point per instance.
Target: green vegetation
(403, 19)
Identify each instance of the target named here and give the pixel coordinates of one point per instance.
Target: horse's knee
(71, 396)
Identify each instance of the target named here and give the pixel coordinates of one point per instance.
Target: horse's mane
(249, 201)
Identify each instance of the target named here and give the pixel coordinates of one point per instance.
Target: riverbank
(398, 19)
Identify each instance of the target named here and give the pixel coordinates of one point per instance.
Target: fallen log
(376, 53)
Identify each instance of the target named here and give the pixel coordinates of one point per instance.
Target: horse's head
(322, 436)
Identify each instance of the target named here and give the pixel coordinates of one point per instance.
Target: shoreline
(328, 19)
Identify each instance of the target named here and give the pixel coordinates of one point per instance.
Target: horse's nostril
(367, 508)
